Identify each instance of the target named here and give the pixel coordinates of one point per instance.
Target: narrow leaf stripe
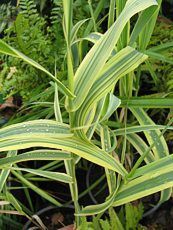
(147, 102)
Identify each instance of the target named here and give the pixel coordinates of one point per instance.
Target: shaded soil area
(161, 219)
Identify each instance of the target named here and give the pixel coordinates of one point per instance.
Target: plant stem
(111, 16)
(92, 15)
(70, 164)
(70, 168)
(97, 11)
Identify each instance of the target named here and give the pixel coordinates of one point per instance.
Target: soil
(162, 219)
(53, 218)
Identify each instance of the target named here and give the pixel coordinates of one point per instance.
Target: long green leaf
(95, 209)
(74, 145)
(111, 16)
(76, 28)
(57, 109)
(162, 47)
(40, 155)
(140, 146)
(143, 19)
(67, 7)
(159, 56)
(97, 12)
(160, 149)
(14, 202)
(146, 33)
(165, 162)
(47, 174)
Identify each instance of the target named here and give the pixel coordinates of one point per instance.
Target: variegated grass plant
(90, 101)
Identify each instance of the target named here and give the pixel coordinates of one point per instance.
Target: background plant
(31, 34)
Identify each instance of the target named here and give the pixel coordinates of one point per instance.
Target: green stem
(92, 15)
(97, 11)
(70, 165)
(70, 168)
(111, 13)
(123, 155)
(138, 75)
(106, 146)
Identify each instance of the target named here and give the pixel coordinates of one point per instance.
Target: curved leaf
(36, 128)
(96, 58)
(122, 63)
(99, 208)
(85, 149)
(5, 172)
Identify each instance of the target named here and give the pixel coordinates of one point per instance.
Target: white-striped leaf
(149, 179)
(36, 128)
(94, 61)
(122, 63)
(84, 149)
